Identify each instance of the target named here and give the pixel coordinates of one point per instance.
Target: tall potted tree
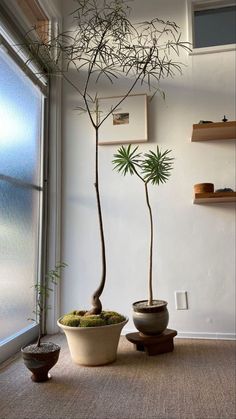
(104, 46)
(150, 316)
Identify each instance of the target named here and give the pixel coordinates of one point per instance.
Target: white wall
(194, 244)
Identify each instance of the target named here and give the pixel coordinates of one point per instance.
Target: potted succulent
(103, 46)
(150, 316)
(40, 357)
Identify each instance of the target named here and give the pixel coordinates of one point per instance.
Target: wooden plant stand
(153, 345)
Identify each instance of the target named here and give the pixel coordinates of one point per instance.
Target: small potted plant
(40, 357)
(103, 47)
(150, 316)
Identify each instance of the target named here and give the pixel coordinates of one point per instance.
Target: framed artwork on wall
(128, 122)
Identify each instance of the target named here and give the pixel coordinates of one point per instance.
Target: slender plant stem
(150, 296)
(40, 330)
(150, 290)
(97, 306)
(96, 303)
(91, 65)
(40, 305)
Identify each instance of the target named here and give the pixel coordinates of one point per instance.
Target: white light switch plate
(181, 301)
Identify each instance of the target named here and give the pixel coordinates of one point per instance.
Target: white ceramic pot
(93, 346)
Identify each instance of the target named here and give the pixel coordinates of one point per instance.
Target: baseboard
(194, 335)
(203, 335)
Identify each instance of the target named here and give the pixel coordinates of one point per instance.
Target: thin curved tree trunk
(39, 335)
(150, 294)
(39, 315)
(96, 303)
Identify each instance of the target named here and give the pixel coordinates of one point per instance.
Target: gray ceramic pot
(40, 360)
(150, 320)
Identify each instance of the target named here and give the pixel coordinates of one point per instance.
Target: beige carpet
(197, 380)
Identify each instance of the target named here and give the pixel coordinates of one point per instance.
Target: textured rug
(197, 380)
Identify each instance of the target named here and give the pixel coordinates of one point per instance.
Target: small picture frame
(127, 123)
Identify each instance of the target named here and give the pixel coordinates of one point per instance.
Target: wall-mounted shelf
(215, 197)
(214, 131)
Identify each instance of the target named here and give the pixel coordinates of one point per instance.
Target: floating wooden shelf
(215, 197)
(214, 131)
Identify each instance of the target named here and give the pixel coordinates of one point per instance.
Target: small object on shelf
(224, 190)
(204, 188)
(205, 122)
(224, 119)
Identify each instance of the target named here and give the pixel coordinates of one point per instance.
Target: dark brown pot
(204, 188)
(150, 320)
(40, 360)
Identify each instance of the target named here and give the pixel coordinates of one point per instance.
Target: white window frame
(193, 5)
(9, 347)
(54, 155)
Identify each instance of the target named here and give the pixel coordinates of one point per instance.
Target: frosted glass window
(214, 27)
(21, 107)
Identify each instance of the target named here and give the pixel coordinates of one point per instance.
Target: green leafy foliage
(154, 167)
(126, 161)
(43, 290)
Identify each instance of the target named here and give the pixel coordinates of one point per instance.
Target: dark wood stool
(153, 345)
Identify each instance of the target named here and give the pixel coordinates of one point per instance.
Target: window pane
(215, 27)
(20, 116)
(20, 195)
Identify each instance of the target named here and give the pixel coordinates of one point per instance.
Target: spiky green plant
(104, 46)
(152, 167)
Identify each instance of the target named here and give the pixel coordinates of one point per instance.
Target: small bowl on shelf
(204, 188)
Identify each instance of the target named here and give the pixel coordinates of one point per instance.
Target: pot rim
(205, 184)
(149, 309)
(42, 343)
(93, 327)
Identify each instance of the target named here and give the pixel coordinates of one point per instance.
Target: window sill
(12, 344)
(210, 50)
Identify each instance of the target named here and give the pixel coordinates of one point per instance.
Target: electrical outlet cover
(181, 301)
